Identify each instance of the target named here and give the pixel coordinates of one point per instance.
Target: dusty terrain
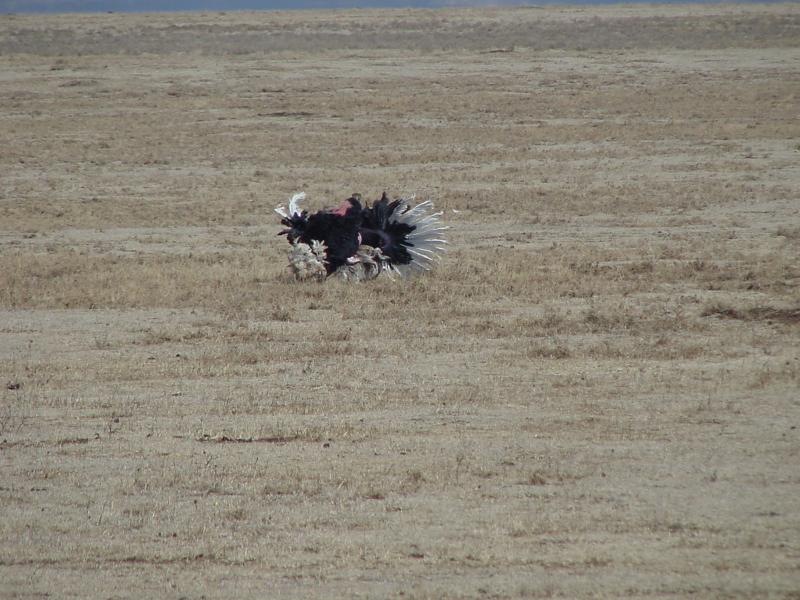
(595, 394)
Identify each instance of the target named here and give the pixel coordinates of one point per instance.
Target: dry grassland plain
(595, 394)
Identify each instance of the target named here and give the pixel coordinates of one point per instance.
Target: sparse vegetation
(595, 394)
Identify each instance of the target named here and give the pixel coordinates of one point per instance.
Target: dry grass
(594, 394)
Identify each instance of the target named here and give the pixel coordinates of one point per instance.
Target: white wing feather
(294, 206)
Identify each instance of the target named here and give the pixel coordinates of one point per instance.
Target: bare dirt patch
(594, 394)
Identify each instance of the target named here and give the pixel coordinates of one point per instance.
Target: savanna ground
(595, 394)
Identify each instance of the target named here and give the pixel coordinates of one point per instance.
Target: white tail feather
(425, 242)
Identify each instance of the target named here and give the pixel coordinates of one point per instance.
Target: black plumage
(390, 236)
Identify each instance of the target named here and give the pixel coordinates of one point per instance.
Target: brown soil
(595, 394)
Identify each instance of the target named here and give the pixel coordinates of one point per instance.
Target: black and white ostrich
(356, 242)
